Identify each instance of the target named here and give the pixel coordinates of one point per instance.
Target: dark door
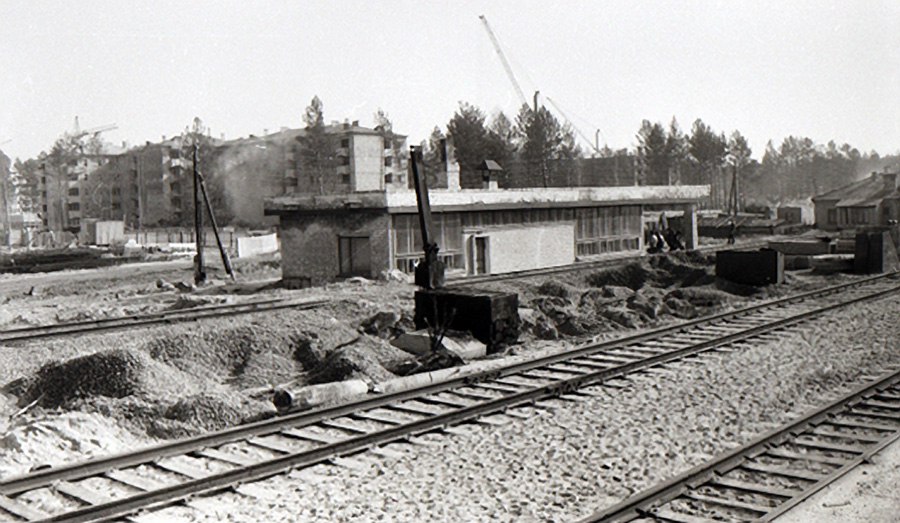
(481, 246)
(355, 255)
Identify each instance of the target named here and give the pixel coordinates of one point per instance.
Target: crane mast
(509, 71)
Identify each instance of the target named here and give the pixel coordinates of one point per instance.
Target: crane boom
(509, 71)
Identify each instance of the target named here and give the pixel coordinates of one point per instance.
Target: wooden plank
(665, 514)
(336, 424)
(281, 448)
(138, 482)
(493, 385)
(733, 503)
(824, 445)
(182, 469)
(308, 436)
(781, 453)
(377, 417)
(227, 457)
(878, 405)
(877, 415)
(753, 487)
(778, 471)
(848, 435)
(17, 508)
(861, 425)
(80, 493)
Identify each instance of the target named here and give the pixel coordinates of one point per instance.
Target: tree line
(535, 149)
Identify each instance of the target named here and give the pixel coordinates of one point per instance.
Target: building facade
(477, 231)
(872, 201)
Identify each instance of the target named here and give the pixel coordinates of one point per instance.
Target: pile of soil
(679, 285)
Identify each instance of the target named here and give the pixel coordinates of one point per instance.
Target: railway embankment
(173, 380)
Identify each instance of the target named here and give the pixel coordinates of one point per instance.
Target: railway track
(773, 473)
(156, 476)
(212, 311)
(171, 316)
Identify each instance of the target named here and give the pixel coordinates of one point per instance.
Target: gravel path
(569, 459)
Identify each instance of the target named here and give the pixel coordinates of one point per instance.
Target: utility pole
(199, 274)
(140, 203)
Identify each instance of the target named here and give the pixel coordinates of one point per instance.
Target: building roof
(404, 201)
(868, 192)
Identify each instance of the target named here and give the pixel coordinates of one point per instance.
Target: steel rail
(45, 477)
(644, 503)
(48, 477)
(106, 324)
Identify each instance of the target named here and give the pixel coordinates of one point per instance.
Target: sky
(827, 70)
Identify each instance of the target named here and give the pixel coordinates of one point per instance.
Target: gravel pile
(570, 459)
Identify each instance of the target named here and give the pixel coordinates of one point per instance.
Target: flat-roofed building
(324, 238)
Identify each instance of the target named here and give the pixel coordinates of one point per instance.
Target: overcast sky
(822, 69)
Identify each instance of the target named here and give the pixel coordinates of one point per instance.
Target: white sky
(822, 69)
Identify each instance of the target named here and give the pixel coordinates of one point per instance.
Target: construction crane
(509, 71)
(94, 131)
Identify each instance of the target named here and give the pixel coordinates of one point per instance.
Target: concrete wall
(821, 215)
(309, 244)
(253, 245)
(367, 159)
(519, 248)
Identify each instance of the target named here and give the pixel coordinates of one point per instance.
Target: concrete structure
(872, 201)
(478, 231)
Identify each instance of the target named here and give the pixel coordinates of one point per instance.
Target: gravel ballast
(570, 459)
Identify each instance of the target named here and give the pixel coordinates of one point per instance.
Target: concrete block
(801, 247)
(796, 262)
(875, 253)
(831, 263)
(763, 267)
(491, 317)
(844, 246)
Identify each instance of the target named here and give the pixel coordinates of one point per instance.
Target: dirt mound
(702, 297)
(558, 289)
(235, 355)
(209, 411)
(633, 276)
(115, 374)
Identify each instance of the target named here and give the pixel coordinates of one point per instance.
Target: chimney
(163, 138)
(355, 123)
(346, 124)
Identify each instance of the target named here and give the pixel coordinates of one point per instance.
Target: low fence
(254, 245)
(231, 240)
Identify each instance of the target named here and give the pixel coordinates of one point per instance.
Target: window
(116, 191)
(175, 187)
(74, 206)
(176, 202)
(600, 230)
(388, 161)
(355, 256)
(345, 160)
(116, 206)
(345, 142)
(408, 240)
(345, 178)
(44, 194)
(73, 191)
(387, 142)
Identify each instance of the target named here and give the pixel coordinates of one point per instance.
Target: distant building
(872, 201)
(152, 185)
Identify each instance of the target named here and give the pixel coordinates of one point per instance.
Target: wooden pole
(212, 218)
(199, 274)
